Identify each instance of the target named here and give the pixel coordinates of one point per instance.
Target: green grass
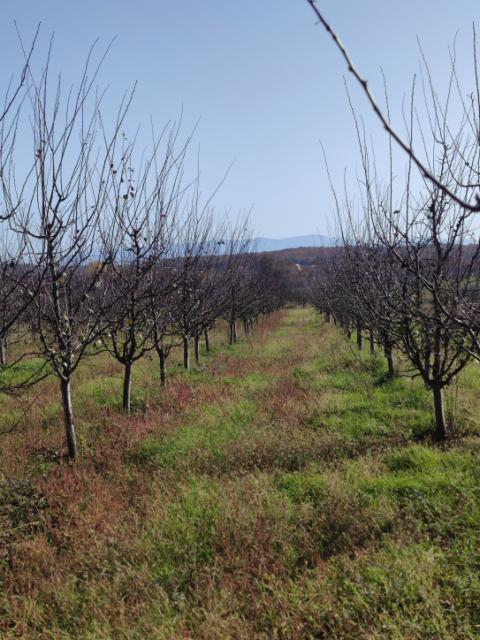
(208, 430)
(182, 541)
(364, 402)
(21, 372)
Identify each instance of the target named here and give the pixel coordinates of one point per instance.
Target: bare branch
(406, 146)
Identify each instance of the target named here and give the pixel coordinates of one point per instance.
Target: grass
(283, 489)
(207, 431)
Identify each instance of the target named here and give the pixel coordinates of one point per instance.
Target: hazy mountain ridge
(278, 244)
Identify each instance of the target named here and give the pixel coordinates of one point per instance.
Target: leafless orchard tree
(209, 253)
(144, 216)
(207, 284)
(160, 294)
(200, 291)
(265, 289)
(438, 267)
(366, 273)
(192, 295)
(407, 282)
(56, 211)
(236, 280)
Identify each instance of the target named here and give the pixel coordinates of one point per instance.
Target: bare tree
(144, 214)
(195, 245)
(235, 278)
(434, 277)
(56, 211)
(161, 286)
(417, 265)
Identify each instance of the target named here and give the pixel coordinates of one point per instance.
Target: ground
(283, 489)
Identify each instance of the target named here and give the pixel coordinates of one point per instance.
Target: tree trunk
(68, 418)
(389, 357)
(245, 327)
(197, 348)
(163, 370)
(186, 353)
(232, 333)
(127, 386)
(3, 353)
(359, 336)
(207, 341)
(441, 432)
(372, 343)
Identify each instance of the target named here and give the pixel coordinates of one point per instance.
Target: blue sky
(266, 83)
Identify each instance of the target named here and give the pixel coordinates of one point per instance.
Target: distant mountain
(274, 244)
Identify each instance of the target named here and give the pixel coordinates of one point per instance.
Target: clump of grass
(181, 543)
(206, 433)
(304, 487)
(22, 371)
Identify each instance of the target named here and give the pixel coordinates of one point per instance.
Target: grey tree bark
(372, 343)
(163, 370)
(68, 418)
(197, 348)
(389, 357)
(441, 431)
(186, 353)
(207, 341)
(359, 335)
(127, 385)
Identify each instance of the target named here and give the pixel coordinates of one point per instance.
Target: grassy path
(277, 492)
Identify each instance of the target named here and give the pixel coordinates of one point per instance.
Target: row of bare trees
(407, 273)
(103, 248)
(409, 269)
(414, 294)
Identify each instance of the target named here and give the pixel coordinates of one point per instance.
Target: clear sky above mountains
(266, 83)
